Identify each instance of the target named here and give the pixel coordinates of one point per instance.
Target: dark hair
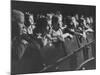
(55, 23)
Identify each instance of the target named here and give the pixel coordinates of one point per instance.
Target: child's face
(31, 20)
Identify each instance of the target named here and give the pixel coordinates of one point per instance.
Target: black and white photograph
(52, 37)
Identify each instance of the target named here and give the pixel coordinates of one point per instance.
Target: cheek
(31, 21)
(22, 19)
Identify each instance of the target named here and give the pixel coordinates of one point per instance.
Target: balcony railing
(81, 56)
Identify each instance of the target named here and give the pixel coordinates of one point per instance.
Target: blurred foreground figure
(25, 54)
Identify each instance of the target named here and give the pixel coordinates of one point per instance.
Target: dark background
(65, 9)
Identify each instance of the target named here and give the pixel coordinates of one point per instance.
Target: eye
(23, 27)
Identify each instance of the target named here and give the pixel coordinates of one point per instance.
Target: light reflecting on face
(31, 20)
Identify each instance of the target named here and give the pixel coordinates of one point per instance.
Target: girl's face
(31, 20)
(88, 20)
